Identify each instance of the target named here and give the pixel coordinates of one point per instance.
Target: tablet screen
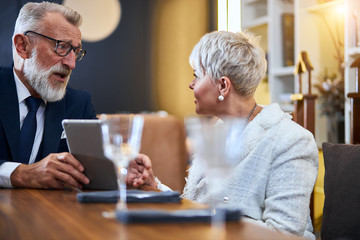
(84, 139)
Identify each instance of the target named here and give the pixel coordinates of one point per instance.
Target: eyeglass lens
(64, 48)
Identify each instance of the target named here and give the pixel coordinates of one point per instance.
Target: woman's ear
(22, 46)
(224, 86)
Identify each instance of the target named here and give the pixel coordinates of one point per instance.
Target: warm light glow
(100, 18)
(340, 9)
(222, 15)
(229, 15)
(234, 15)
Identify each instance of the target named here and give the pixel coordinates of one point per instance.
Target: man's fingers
(54, 184)
(70, 159)
(73, 174)
(51, 172)
(66, 178)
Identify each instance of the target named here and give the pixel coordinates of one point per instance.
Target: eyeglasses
(63, 48)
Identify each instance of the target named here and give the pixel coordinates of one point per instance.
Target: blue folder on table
(132, 196)
(178, 216)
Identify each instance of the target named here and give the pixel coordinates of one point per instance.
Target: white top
(8, 167)
(273, 182)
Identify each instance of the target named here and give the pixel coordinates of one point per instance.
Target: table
(56, 214)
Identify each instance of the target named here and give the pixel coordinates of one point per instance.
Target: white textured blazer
(273, 181)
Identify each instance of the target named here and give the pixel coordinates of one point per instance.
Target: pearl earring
(221, 98)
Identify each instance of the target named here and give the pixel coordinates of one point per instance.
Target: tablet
(84, 140)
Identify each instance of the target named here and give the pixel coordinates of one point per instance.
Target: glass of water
(121, 143)
(217, 148)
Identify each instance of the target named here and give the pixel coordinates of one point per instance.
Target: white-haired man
(46, 46)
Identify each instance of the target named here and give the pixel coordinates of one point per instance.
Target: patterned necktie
(28, 129)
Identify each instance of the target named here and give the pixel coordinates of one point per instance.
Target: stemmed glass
(121, 142)
(217, 147)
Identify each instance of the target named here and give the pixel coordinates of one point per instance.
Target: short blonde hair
(234, 55)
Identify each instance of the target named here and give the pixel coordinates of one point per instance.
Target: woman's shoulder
(273, 117)
(283, 131)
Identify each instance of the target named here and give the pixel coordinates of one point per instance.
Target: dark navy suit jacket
(75, 105)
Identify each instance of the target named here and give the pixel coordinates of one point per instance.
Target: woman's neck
(242, 107)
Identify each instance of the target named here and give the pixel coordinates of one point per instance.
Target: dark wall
(116, 70)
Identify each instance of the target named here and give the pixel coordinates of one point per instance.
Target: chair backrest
(164, 142)
(341, 213)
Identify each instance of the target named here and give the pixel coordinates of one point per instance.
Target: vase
(335, 128)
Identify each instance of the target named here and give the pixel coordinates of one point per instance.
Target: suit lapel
(9, 109)
(10, 119)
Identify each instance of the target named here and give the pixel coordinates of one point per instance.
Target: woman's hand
(140, 172)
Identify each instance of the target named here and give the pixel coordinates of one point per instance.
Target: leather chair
(341, 213)
(163, 140)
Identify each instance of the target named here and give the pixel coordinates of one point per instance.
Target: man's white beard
(38, 79)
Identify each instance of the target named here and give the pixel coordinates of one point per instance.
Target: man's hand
(54, 171)
(140, 172)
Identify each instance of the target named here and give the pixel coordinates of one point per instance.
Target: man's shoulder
(77, 103)
(6, 78)
(5, 68)
(5, 71)
(76, 98)
(76, 93)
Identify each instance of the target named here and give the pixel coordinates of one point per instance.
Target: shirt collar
(21, 90)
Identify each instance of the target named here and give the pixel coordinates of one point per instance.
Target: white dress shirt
(7, 168)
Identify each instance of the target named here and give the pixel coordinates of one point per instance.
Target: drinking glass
(217, 147)
(121, 143)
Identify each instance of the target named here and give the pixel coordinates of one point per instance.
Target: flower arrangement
(331, 90)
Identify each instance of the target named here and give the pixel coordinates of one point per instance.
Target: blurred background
(137, 51)
(137, 55)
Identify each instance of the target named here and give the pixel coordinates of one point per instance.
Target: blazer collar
(9, 117)
(9, 109)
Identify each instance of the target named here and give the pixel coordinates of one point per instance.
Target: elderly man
(35, 99)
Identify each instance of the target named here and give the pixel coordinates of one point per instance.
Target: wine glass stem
(122, 172)
(218, 215)
(217, 224)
